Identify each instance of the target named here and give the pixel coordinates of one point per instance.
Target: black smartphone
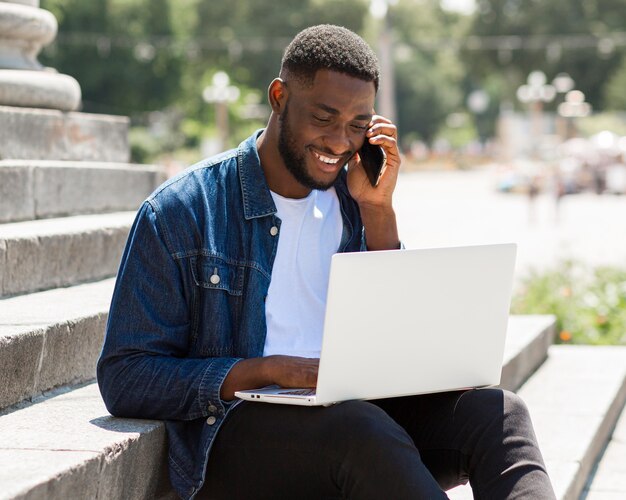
(373, 159)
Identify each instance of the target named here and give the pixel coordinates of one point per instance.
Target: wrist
(378, 219)
(377, 210)
(265, 369)
(381, 231)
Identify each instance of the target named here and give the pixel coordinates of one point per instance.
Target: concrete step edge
(68, 446)
(49, 339)
(31, 189)
(594, 392)
(607, 479)
(107, 165)
(526, 348)
(44, 254)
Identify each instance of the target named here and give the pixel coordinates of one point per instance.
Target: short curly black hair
(330, 47)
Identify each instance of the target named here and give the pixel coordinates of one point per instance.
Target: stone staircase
(63, 225)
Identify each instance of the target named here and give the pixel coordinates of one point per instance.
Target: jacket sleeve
(143, 370)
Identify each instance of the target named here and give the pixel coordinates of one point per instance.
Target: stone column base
(39, 89)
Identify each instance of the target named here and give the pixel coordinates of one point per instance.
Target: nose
(339, 141)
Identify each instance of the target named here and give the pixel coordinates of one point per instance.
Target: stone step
(38, 189)
(46, 134)
(44, 254)
(49, 339)
(575, 405)
(67, 446)
(574, 399)
(528, 339)
(608, 479)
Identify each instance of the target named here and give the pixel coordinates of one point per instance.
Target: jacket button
(211, 420)
(215, 279)
(212, 409)
(273, 230)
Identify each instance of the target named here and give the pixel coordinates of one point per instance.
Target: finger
(382, 129)
(378, 119)
(354, 160)
(387, 142)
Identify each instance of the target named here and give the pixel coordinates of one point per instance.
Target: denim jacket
(189, 301)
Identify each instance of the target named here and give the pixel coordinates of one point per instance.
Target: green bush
(590, 304)
(143, 146)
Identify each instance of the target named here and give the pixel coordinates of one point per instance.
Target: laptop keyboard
(300, 392)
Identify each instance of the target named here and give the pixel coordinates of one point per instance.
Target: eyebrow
(335, 112)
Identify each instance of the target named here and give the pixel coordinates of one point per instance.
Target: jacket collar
(257, 199)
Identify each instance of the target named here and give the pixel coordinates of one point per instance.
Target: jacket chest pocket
(218, 302)
(213, 273)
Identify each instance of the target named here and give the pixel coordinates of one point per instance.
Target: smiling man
(222, 287)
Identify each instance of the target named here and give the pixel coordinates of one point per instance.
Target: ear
(277, 95)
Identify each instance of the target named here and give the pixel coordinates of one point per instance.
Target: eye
(321, 119)
(359, 127)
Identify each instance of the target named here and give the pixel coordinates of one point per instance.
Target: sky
(464, 6)
(378, 8)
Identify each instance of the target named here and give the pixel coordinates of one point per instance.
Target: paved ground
(456, 208)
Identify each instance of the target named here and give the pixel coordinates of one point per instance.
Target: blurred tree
(428, 82)
(119, 52)
(615, 94)
(425, 96)
(247, 38)
(133, 56)
(573, 36)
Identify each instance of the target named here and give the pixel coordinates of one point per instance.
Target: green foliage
(246, 39)
(144, 147)
(428, 83)
(552, 20)
(591, 125)
(425, 102)
(615, 91)
(590, 304)
(115, 50)
(459, 135)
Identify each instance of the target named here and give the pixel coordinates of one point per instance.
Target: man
(222, 287)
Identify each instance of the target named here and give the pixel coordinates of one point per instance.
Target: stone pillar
(24, 30)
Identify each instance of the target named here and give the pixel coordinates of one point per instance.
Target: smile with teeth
(326, 159)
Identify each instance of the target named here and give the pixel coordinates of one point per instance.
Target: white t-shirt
(310, 233)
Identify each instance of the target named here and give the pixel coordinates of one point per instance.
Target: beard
(293, 160)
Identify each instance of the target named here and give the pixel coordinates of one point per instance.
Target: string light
(554, 45)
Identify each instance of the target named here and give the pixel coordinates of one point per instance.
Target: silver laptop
(406, 322)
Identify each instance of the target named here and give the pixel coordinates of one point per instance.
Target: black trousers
(400, 448)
